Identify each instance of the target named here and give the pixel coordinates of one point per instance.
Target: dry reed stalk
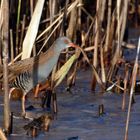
(11, 45)
(2, 135)
(87, 13)
(103, 7)
(32, 30)
(0, 51)
(88, 49)
(119, 83)
(71, 79)
(136, 13)
(97, 35)
(48, 18)
(54, 8)
(127, 45)
(1, 17)
(89, 29)
(72, 23)
(134, 74)
(98, 79)
(122, 24)
(103, 75)
(16, 58)
(50, 11)
(121, 17)
(117, 52)
(63, 27)
(112, 31)
(22, 32)
(49, 36)
(79, 13)
(118, 21)
(124, 13)
(95, 53)
(1, 21)
(31, 7)
(114, 84)
(108, 26)
(5, 27)
(17, 27)
(116, 55)
(125, 87)
(70, 8)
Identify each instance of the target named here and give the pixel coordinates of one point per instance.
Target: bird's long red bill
(74, 45)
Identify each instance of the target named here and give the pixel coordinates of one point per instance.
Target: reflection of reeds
(41, 123)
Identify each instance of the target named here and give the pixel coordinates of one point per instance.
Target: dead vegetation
(98, 27)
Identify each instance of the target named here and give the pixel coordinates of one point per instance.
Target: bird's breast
(42, 72)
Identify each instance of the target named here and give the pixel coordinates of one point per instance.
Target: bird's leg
(54, 103)
(49, 94)
(36, 90)
(47, 99)
(10, 92)
(44, 98)
(23, 105)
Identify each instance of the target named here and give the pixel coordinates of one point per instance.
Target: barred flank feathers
(22, 81)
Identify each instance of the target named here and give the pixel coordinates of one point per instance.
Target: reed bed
(99, 30)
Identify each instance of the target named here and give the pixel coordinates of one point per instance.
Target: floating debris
(101, 110)
(39, 124)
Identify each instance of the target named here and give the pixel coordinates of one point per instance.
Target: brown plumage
(26, 74)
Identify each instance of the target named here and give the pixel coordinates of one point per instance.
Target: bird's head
(63, 43)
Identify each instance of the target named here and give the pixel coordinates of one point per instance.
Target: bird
(26, 74)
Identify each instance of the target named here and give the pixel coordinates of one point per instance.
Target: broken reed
(5, 43)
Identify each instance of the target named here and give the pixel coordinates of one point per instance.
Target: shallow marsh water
(78, 115)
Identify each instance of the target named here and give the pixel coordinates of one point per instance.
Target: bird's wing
(30, 63)
(26, 65)
(22, 65)
(19, 67)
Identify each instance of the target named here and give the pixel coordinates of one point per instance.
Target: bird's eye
(66, 41)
